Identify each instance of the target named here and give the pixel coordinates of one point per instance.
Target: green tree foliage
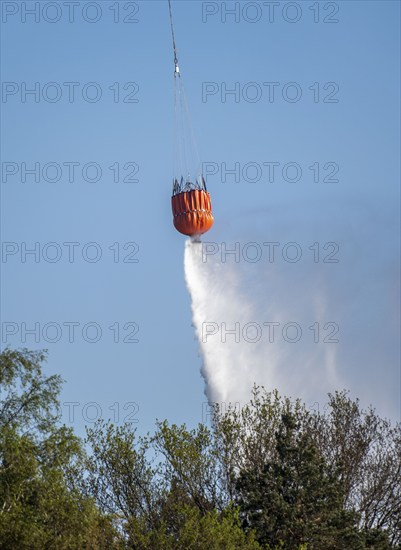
(352, 453)
(367, 451)
(188, 528)
(39, 506)
(296, 498)
(272, 476)
(28, 398)
(192, 464)
(120, 476)
(167, 499)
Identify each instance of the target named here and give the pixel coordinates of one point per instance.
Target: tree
(162, 492)
(39, 505)
(188, 528)
(192, 462)
(119, 475)
(367, 452)
(28, 399)
(361, 450)
(272, 475)
(296, 498)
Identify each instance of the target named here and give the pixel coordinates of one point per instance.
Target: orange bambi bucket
(192, 212)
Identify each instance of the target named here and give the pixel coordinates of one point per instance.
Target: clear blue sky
(359, 133)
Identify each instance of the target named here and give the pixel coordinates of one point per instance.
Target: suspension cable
(176, 68)
(189, 171)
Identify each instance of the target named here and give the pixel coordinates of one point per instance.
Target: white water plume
(238, 346)
(235, 303)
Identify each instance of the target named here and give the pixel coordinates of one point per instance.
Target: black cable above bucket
(187, 164)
